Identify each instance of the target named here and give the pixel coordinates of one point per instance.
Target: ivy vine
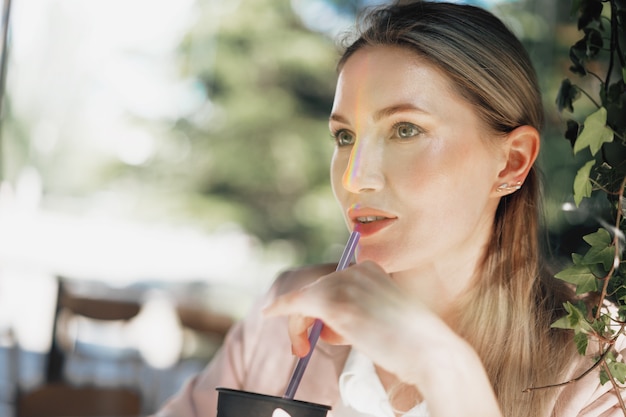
(598, 60)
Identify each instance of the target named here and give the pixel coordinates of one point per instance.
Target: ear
(521, 148)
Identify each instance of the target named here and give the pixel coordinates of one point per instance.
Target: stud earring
(502, 187)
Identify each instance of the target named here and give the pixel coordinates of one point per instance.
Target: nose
(365, 168)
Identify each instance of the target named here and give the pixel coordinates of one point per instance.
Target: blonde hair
(507, 314)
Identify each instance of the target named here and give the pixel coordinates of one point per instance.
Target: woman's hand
(362, 306)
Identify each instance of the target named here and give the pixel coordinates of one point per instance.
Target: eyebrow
(384, 112)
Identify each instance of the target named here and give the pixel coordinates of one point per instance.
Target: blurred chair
(202, 320)
(204, 331)
(63, 400)
(87, 368)
(76, 313)
(66, 395)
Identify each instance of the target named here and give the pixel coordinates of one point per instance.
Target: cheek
(423, 170)
(464, 181)
(337, 169)
(444, 174)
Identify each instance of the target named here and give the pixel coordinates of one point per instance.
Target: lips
(369, 221)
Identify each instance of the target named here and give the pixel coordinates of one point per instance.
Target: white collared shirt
(362, 393)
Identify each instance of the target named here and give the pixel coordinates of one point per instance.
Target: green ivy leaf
(621, 311)
(578, 54)
(572, 130)
(604, 378)
(582, 341)
(601, 237)
(574, 320)
(616, 105)
(581, 276)
(604, 256)
(593, 42)
(617, 369)
(601, 251)
(582, 184)
(602, 326)
(595, 132)
(590, 10)
(567, 94)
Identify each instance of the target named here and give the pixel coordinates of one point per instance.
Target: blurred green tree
(261, 147)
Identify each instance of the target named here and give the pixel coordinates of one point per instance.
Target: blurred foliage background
(214, 113)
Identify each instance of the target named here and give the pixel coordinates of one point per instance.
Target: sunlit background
(175, 154)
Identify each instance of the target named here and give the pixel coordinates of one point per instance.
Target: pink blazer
(246, 349)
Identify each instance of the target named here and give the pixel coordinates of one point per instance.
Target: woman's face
(414, 169)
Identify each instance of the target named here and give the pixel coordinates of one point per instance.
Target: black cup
(235, 403)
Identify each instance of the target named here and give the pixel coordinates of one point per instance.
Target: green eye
(344, 138)
(406, 130)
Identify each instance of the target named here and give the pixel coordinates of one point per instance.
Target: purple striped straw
(348, 253)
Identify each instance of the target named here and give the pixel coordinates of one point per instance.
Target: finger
(298, 334)
(283, 305)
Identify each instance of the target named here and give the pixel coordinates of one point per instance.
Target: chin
(377, 256)
(391, 261)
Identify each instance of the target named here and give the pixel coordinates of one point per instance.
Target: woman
(436, 120)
